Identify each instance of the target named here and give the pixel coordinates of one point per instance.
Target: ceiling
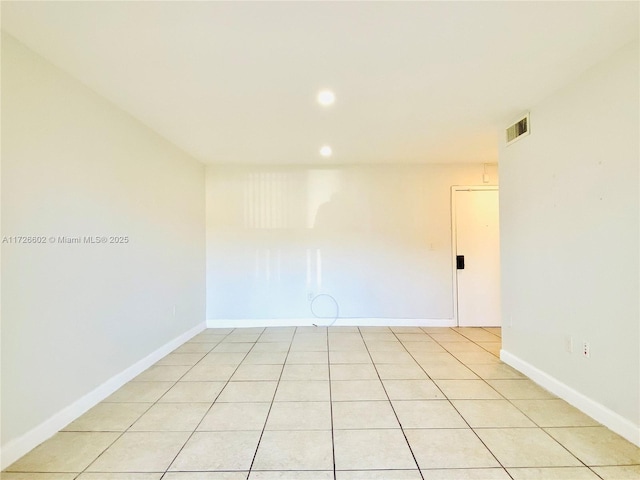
(415, 82)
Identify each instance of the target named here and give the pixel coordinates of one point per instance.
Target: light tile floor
(339, 403)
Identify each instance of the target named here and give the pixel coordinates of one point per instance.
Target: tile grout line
(404, 434)
(275, 392)
(212, 403)
(469, 425)
(152, 404)
(510, 401)
(478, 342)
(457, 411)
(333, 442)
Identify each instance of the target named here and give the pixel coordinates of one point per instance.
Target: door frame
(454, 233)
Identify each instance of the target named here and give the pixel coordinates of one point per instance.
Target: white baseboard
(350, 322)
(610, 419)
(18, 447)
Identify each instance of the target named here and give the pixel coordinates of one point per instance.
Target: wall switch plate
(568, 344)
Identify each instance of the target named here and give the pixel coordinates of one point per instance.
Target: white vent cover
(519, 129)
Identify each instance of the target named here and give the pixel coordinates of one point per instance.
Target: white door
(477, 245)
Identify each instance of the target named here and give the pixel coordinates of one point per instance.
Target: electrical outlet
(586, 349)
(568, 344)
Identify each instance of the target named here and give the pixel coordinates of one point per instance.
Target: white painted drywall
(73, 316)
(376, 238)
(569, 236)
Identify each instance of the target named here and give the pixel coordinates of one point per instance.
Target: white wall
(376, 238)
(569, 236)
(74, 316)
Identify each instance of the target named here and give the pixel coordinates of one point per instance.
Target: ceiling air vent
(518, 129)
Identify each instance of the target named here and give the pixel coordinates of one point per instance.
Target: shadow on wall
(341, 213)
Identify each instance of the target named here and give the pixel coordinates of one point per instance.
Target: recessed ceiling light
(326, 97)
(326, 151)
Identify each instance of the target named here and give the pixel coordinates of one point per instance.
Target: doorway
(476, 255)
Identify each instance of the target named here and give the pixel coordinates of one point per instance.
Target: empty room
(320, 240)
